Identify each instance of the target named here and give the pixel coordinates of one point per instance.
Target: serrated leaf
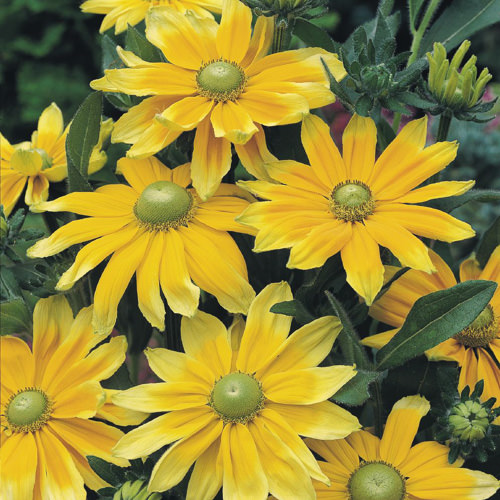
(15, 317)
(488, 243)
(111, 473)
(460, 20)
(9, 286)
(480, 195)
(414, 100)
(434, 319)
(357, 390)
(293, 308)
(313, 35)
(336, 87)
(83, 135)
(141, 46)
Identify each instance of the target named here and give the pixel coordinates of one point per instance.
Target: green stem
(444, 127)
(282, 34)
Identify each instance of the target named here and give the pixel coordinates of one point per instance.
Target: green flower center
(28, 410)
(376, 481)
(481, 331)
(469, 421)
(237, 397)
(164, 205)
(30, 161)
(221, 80)
(351, 201)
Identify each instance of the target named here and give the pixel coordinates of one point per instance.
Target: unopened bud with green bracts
(455, 87)
(288, 8)
(135, 490)
(466, 425)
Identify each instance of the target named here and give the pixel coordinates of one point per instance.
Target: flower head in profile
(476, 349)
(220, 82)
(159, 229)
(353, 204)
(48, 396)
(237, 402)
(34, 164)
(362, 466)
(120, 13)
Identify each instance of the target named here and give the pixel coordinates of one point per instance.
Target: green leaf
(385, 133)
(336, 87)
(110, 57)
(357, 390)
(414, 8)
(435, 318)
(453, 202)
(15, 317)
(83, 135)
(312, 35)
(364, 105)
(459, 21)
(111, 473)
(488, 243)
(141, 47)
(120, 380)
(293, 308)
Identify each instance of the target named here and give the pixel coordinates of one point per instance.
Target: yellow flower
(363, 466)
(160, 230)
(354, 204)
(237, 403)
(41, 161)
(121, 13)
(470, 348)
(48, 397)
(220, 82)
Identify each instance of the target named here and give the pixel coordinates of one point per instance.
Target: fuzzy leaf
(14, 317)
(140, 46)
(357, 390)
(111, 473)
(293, 308)
(313, 35)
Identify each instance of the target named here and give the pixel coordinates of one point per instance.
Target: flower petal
(141, 173)
(231, 121)
(491, 270)
(436, 190)
(186, 114)
(50, 127)
(206, 478)
(261, 41)
(17, 363)
(37, 191)
(235, 30)
(469, 269)
(81, 401)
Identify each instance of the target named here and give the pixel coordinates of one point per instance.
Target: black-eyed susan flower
(121, 13)
(362, 466)
(220, 82)
(159, 229)
(42, 160)
(353, 204)
(48, 396)
(476, 349)
(237, 402)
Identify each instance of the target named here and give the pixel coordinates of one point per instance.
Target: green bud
(469, 421)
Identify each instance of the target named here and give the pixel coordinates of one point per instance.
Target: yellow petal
(408, 249)
(306, 386)
(163, 430)
(18, 459)
(286, 475)
(323, 420)
(11, 189)
(114, 280)
(174, 35)
(401, 428)
(17, 363)
(469, 269)
(186, 114)
(37, 191)
(50, 127)
(338, 453)
(427, 222)
(226, 278)
(141, 173)
(304, 348)
(233, 35)
(379, 340)
(176, 461)
(265, 331)
(204, 338)
(261, 41)
(365, 444)
(271, 108)
(231, 121)
(492, 269)
(487, 370)
(321, 243)
(361, 260)
(428, 454)
(211, 160)
(119, 416)
(244, 476)
(81, 401)
(153, 139)
(358, 145)
(325, 158)
(181, 294)
(436, 190)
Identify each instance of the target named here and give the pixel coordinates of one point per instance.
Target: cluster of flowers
(237, 400)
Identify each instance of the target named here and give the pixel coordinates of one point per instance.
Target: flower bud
(135, 490)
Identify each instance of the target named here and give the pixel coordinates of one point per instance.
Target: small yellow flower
(220, 82)
(48, 396)
(237, 402)
(159, 229)
(354, 204)
(362, 466)
(477, 348)
(121, 13)
(41, 160)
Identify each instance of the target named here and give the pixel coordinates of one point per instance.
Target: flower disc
(481, 331)
(376, 481)
(221, 80)
(27, 408)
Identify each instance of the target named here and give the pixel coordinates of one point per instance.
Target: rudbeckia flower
(363, 466)
(237, 402)
(159, 229)
(48, 397)
(353, 204)
(476, 349)
(121, 13)
(220, 82)
(41, 160)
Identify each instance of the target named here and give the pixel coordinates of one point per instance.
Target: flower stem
(282, 34)
(444, 127)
